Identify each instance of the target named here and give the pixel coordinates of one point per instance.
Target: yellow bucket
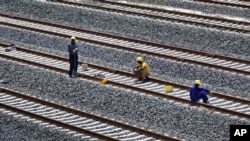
(168, 88)
(104, 81)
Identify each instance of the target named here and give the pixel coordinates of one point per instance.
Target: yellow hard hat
(104, 81)
(168, 88)
(73, 38)
(197, 82)
(139, 59)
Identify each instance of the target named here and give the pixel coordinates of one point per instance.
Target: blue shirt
(194, 91)
(71, 47)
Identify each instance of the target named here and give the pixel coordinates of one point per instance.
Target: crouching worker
(197, 93)
(142, 70)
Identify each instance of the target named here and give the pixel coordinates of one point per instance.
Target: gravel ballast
(16, 129)
(170, 33)
(184, 121)
(167, 70)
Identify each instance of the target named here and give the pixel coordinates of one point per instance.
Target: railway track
(218, 102)
(166, 14)
(233, 3)
(78, 122)
(228, 64)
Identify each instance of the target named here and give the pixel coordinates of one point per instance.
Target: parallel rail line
(210, 60)
(240, 3)
(74, 119)
(164, 14)
(219, 102)
(121, 72)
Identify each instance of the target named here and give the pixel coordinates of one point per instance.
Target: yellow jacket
(145, 66)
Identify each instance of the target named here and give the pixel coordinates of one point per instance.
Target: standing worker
(73, 57)
(142, 70)
(197, 93)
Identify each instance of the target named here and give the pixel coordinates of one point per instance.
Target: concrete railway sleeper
(219, 102)
(74, 119)
(164, 14)
(228, 64)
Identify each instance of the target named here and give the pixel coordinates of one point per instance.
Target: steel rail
(225, 3)
(158, 16)
(126, 86)
(129, 39)
(88, 115)
(110, 45)
(55, 122)
(173, 12)
(98, 67)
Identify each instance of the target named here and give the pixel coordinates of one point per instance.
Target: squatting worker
(73, 57)
(142, 70)
(197, 93)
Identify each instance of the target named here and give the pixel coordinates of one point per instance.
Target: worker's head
(139, 60)
(73, 39)
(197, 83)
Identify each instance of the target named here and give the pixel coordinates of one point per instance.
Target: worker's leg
(204, 97)
(75, 63)
(194, 99)
(138, 74)
(145, 74)
(71, 66)
(75, 66)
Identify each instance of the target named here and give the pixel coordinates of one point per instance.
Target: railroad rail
(210, 60)
(75, 119)
(165, 14)
(218, 102)
(240, 3)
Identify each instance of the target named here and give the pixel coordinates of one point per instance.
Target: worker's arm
(206, 90)
(138, 68)
(142, 67)
(75, 50)
(192, 93)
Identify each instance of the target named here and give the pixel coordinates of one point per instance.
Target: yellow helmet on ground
(73, 38)
(139, 59)
(197, 82)
(168, 88)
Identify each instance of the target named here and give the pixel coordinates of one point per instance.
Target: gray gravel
(178, 72)
(16, 129)
(170, 33)
(153, 113)
(197, 6)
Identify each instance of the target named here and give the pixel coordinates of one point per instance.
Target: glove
(140, 69)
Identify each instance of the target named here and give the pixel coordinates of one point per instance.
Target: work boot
(75, 75)
(207, 102)
(145, 80)
(138, 80)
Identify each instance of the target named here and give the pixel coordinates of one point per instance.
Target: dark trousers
(202, 95)
(141, 74)
(73, 60)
